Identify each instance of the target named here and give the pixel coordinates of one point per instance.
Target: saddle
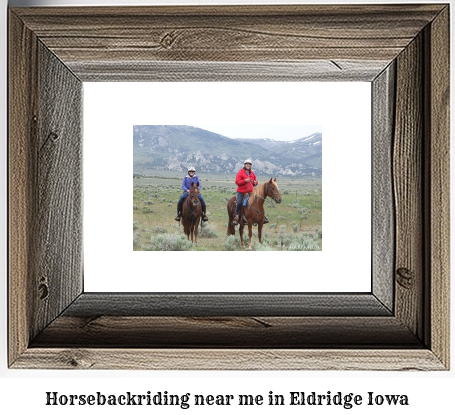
(244, 204)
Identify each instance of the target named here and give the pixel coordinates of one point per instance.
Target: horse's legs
(250, 234)
(241, 235)
(260, 231)
(187, 231)
(195, 230)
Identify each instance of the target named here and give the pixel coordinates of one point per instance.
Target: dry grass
(155, 206)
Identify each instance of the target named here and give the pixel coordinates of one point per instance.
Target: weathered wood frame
(403, 50)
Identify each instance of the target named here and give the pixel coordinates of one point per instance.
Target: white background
(111, 110)
(24, 391)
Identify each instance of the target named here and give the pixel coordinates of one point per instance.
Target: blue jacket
(187, 182)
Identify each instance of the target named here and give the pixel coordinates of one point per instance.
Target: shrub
(231, 243)
(208, 232)
(282, 228)
(295, 228)
(147, 210)
(168, 242)
(135, 207)
(303, 242)
(135, 225)
(149, 202)
(135, 240)
(159, 229)
(264, 247)
(285, 240)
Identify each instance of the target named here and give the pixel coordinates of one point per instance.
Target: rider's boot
(177, 218)
(265, 220)
(204, 216)
(236, 220)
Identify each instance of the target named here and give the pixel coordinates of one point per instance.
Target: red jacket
(244, 187)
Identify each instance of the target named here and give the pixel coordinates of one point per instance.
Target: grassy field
(295, 224)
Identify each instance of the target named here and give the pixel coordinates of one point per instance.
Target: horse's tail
(230, 227)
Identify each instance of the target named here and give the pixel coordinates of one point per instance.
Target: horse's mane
(260, 190)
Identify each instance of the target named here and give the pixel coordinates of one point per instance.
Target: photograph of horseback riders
(227, 188)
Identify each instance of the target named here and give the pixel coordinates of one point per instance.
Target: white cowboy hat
(191, 168)
(247, 161)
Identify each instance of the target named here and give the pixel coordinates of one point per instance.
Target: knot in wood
(76, 359)
(53, 136)
(43, 291)
(405, 278)
(168, 40)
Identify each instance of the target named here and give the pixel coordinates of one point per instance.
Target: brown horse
(254, 210)
(191, 212)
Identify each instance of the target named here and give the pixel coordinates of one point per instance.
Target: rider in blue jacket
(187, 180)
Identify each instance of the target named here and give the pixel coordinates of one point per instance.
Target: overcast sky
(276, 132)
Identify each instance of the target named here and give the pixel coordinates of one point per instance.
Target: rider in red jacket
(245, 180)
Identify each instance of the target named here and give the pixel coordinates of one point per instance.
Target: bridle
(267, 190)
(190, 195)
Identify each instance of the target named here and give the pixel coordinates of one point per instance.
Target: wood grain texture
(383, 215)
(227, 34)
(45, 187)
(235, 359)
(308, 71)
(58, 209)
(22, 94)
(256, 332)
(407, 176)
(89, 305)
(438, 192)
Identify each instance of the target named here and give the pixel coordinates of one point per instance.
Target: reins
(188, 204)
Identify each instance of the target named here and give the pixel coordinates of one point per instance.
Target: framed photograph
(287, 161)
(400, 321)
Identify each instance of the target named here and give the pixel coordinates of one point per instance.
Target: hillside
(174, 147)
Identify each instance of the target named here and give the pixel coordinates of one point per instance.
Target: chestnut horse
(191, 212)
(254, 210)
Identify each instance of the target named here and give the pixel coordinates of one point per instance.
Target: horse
(254, 210)
(191, 212)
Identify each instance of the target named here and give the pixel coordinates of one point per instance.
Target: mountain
(263, 142)
(175, 147)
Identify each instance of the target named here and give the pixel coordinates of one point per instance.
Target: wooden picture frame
(403, 324)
